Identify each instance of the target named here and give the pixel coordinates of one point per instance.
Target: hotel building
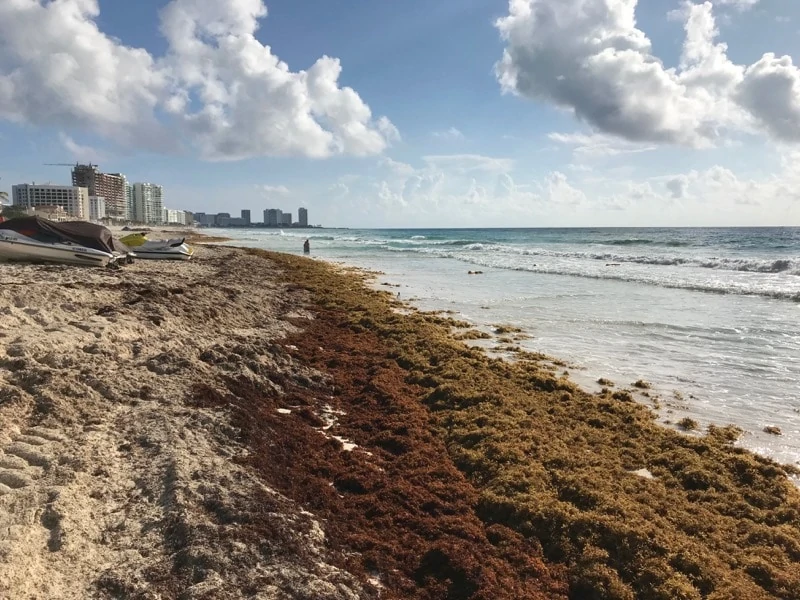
(73, 199)
(148, 203)
(97, 208)
(111, 186)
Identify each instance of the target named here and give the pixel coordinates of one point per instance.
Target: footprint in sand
(24, 459)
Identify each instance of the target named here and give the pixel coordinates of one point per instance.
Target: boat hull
(162, 254)
(19, 249)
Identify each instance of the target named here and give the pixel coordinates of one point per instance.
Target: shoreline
(595, 471)
(395, 461)
(771, 432)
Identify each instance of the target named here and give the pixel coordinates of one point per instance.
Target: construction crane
(66, 164)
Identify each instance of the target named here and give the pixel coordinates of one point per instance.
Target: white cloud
(224, 93)
(718, 186)
(465, 163)
(631, 195)
(505, 186)
(423, 188)
(771, 92)
(598, 145)
(396, 167)
(274, 190)
(452, 134)
(739, 4)
(57, 68)
(589, 57)
(80, 152)
(445, 189)
(558, 190)
(678, 186)
(476, 194)
(339, 190)
(434, 196)
(390, 133)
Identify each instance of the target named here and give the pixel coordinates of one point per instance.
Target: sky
(451, 113)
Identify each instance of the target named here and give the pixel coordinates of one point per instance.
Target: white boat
(20, 248)
(164, 250)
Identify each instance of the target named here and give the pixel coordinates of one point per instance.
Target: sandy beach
(259, 425)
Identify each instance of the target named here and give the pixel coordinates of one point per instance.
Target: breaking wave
(679, 272)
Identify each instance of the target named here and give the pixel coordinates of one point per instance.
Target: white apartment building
(129, 200)
(74, 200)
(174, 217)
(97, 208)
(273, 217)
(148, 203)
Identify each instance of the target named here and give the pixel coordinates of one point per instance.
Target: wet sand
(252, 424)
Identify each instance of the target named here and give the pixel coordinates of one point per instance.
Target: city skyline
(98, 196)
(272, 217)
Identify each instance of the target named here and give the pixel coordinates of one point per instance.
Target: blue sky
(579, 132)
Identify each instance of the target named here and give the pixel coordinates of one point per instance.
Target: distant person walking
(306, 247)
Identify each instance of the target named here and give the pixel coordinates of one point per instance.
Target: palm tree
(13, 212)
(3, 197)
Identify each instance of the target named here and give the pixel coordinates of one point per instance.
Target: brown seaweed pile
(632, 509)
(403, 513)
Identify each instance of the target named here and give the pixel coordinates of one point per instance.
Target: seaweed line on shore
(565, 468)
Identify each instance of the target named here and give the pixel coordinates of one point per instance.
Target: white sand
(110, 484)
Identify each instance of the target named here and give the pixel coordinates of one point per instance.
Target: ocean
(710, 317)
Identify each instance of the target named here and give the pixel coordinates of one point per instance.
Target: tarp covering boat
(76, 232)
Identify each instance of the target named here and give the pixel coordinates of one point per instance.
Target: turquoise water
(708, 316)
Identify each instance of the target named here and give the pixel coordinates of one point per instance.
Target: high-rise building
(148, 203)
(73, 199)
(246, 217)
(204, 219)
(273, 217)
(97, 208)
(302, 217)
(111, 186)
(129, 199)
(286, 219)
(174, 217)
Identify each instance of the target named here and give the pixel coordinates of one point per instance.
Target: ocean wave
(422, 243)
(751, 265)
(754, 266)
(641, 242)
(467, 243)
(625, 242)
(732, 288)
(724, 264)
(740, 287)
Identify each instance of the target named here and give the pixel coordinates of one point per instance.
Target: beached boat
(175, 249)
(16, 247)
